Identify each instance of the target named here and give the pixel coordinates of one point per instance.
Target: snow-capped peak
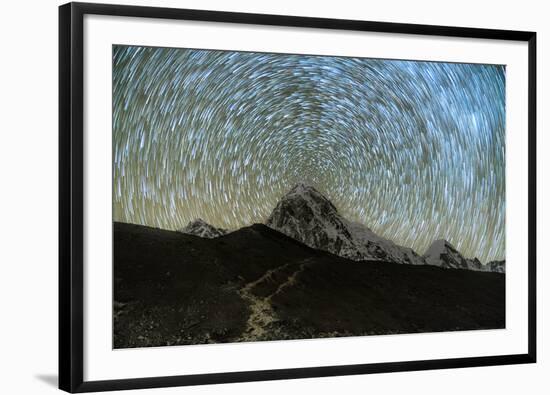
(443, 254)
(310, 195)
(201, 228)
(307, 216)
(303, 188)
(437, 248)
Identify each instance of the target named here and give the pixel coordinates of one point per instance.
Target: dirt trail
(262, 314)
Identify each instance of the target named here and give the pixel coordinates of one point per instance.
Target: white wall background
(28, 195)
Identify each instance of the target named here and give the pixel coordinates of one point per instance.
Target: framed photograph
(251, 197)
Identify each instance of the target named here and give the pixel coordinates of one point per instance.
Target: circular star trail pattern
(413, 150)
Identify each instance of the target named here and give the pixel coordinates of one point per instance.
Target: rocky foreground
(256, 283)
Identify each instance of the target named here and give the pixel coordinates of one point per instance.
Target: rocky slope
(496, 266)
(256, 283)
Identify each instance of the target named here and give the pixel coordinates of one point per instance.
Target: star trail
(414, 150)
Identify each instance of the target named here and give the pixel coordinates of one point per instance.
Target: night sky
(414, 150)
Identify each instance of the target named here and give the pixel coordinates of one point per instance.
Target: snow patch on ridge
(201, 228)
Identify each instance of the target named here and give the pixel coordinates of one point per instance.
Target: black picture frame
(71, 195)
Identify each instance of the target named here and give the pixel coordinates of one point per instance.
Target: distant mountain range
(309, 217)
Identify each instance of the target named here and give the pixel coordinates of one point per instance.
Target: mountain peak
(201, 228)
(443, 254)
(302, 187)
(439, 246)
(303, 203)
(198, 221)
(305, 191)
(443, 242)
(309, 217)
